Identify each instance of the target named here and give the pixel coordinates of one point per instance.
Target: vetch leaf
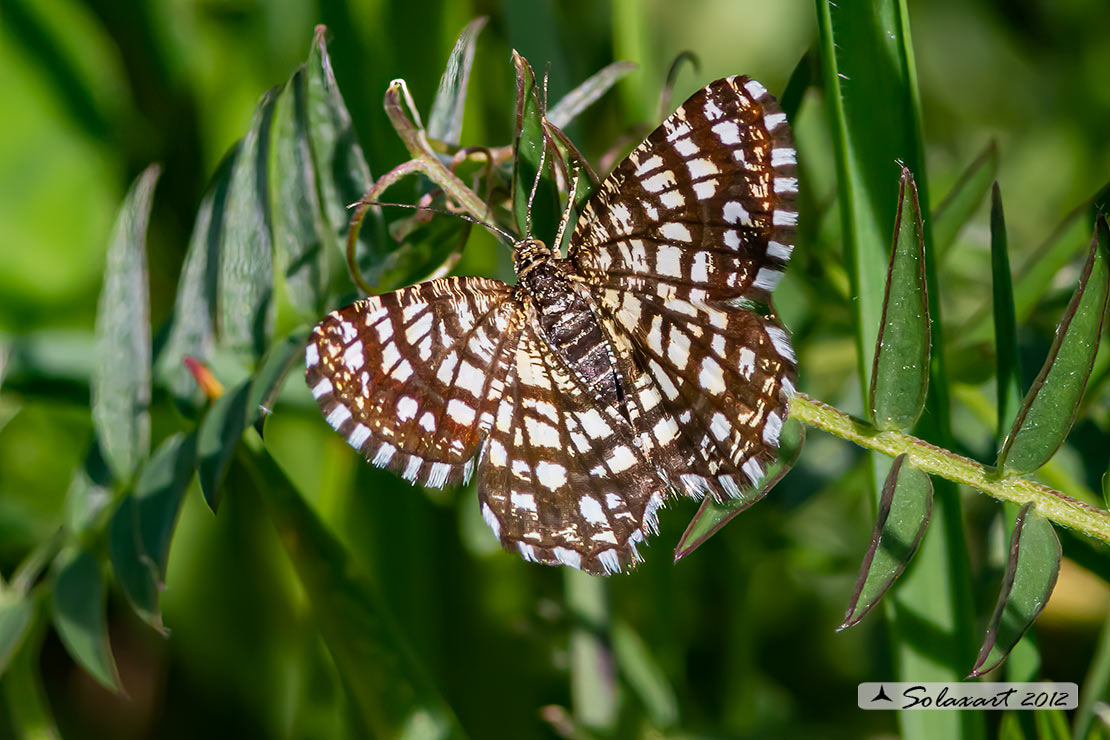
(905, 506)
(1049, 409)
(445, 120)
(121, 375)
(218, 436)
(900, 373)
(1007, 360)
(78, 601)
(192, 327)
(387, 686)
(143, 523)
(246, 310)
(712, 516)
(587, 93)
(964, 198)
(301, 245)
(1030, 577)
(539, 216)
(16, 612)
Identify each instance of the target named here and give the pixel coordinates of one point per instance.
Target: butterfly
(647, 362)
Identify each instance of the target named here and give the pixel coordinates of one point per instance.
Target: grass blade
(1030, 577)
(645, 677)
(445, 120)
(593, 685)
(900, 374)
(587, 93)
(712, 516)
(387, 686)
(1008, 363)
(963, 199)
(905, 506)
(246, 310)
(121, 375)
(78, 603)
(1094, 689)
(1049, 409)
(870, 83)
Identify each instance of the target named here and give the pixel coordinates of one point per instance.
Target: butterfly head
(527, 253)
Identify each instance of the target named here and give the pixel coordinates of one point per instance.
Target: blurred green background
(735, 641)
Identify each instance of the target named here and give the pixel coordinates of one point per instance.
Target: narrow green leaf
(1052, 724)
(16, 611)
(425, 251)
(1007, 360)
(538, 217)
(142, 526)
(712, 515)
(900, 372)
(342, 174)
(300, 233)
(1030, 577)
(282, 357)
(1049, 409)
(645, 677)
(445, 120)
(1095, 688)
(246, 310)
(192, 328)
(23, 690)
(963, 199)
(217, 438)
(121, 375)
(905, 506)
(587, 93)
(594, 691)
(388, 687)
(78, 601)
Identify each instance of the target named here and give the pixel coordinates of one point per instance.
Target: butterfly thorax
(567, 319)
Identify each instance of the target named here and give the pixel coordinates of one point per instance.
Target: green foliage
(326, 599)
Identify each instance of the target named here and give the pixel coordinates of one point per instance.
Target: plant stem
(1051, 504)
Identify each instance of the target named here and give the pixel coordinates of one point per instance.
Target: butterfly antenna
(495, 229)
(566, 211)
(543, 160)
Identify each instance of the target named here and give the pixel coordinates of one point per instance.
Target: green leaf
(246, 310)
(191, 330)
(1049, 409)
(900, 374)
(300, 232)
(431, 245)
(387, 686)
(89, 492)
(282, 357)
(587, 93)
(16, 612)
(143, 525)
(78, 602)
(540, 216)
(342, 175)
(961, 202)
(594, 691)
(1095, 688)
(445, 120)
(905, 506)
(217, 438)
(712, 516)
(645, 677)
(121, 375)
(1007, 360)
(1030, 577)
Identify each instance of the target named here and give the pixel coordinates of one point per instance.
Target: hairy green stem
(1051, 504)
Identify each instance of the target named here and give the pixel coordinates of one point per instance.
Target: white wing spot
(621, 459)
(736, 213)
(311, 355)
(783, 156)
(712, 377)
(460, 412)
(324, 386)
(591, 510)
(523, 501)
(358, 436)
(667, 261)
(428, 422)
(338, 415)
(407, 408)
(772, 427)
